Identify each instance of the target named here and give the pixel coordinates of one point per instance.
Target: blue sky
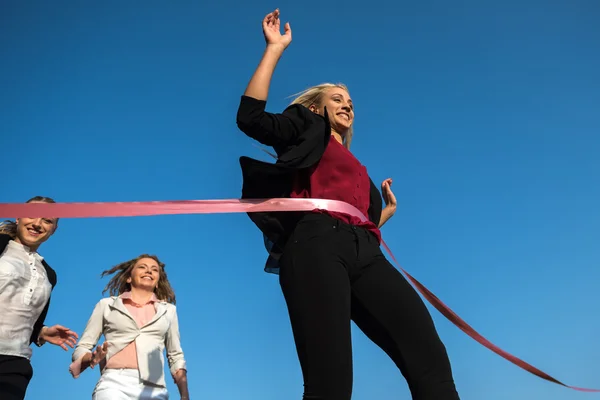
(485, 115)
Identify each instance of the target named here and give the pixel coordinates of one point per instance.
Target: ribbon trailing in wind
(136, 209)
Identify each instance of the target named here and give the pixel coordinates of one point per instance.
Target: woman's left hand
(59, 336)
(388, 195)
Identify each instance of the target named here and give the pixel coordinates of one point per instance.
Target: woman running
(331, 268)
(26, 282)
(138, 322)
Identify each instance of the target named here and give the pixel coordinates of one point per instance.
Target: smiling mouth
(147, 278)
(33, 232)
(346, 116)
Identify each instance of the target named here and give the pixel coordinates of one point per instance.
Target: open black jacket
(39, 324)
(300, 138)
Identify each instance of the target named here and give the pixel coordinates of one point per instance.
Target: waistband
(130, 372)
(322, 218)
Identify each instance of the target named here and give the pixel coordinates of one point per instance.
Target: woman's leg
(391, 313)
(316, 287)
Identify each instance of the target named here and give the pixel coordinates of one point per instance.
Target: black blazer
(39, 324)
(300, 138)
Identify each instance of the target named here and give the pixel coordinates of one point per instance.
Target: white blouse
(24, 292)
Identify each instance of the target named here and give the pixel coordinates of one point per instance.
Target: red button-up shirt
(338, 176)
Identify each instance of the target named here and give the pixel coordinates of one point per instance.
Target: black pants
(332, 273)
(15, 374)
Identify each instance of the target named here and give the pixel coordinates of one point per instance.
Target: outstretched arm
(258, 87)
(269, 129)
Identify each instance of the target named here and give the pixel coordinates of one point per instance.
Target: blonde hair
(314, 96)
(118, 283)
(9, 227)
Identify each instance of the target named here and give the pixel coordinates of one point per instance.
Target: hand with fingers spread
(272, 31)
(59, 336)
(99, 354)
(258, 87)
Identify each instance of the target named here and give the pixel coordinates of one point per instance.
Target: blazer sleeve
(173, 345)
(375, 204)
(91, 334)
(277, 130)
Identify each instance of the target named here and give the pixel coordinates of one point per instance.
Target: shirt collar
(127, 296)
(21, 247)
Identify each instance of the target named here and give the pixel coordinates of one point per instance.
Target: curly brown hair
(118, 283)
(9, 227)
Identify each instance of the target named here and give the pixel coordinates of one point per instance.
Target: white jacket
(111, 319)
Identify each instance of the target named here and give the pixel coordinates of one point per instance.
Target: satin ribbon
(136, 209)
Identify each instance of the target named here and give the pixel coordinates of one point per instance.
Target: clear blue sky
(485, 115)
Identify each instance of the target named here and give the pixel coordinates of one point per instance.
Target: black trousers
(332, 273)
(15, 374)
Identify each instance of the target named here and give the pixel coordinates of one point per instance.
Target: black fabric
(332, 273)
(15, 375)
(39, 324)
(300, 138)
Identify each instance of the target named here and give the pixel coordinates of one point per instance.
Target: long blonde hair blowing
(313, 96)
(9, 227)
(118, 283)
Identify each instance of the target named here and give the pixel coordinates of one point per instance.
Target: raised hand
(272, 31)
(388, 195)
(390, 202)
(99, 354)
(59, 336)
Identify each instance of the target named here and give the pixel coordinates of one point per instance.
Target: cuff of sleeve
(251, 101)
(39, 341)
(177, 366)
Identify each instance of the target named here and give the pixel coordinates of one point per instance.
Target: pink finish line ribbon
(138, 209)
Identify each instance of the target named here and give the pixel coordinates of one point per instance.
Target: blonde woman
(331, 268)
(138, 322)
(26, 282)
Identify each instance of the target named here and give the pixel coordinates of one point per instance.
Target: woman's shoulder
(170, 306)
(106, 300)
(302, 112)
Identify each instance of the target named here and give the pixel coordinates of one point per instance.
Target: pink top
(126, 358)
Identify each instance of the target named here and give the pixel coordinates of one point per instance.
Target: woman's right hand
(99, 354)
(272, 31)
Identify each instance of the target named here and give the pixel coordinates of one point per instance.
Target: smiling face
(339, 108)
(145, 274)
(32, 232)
